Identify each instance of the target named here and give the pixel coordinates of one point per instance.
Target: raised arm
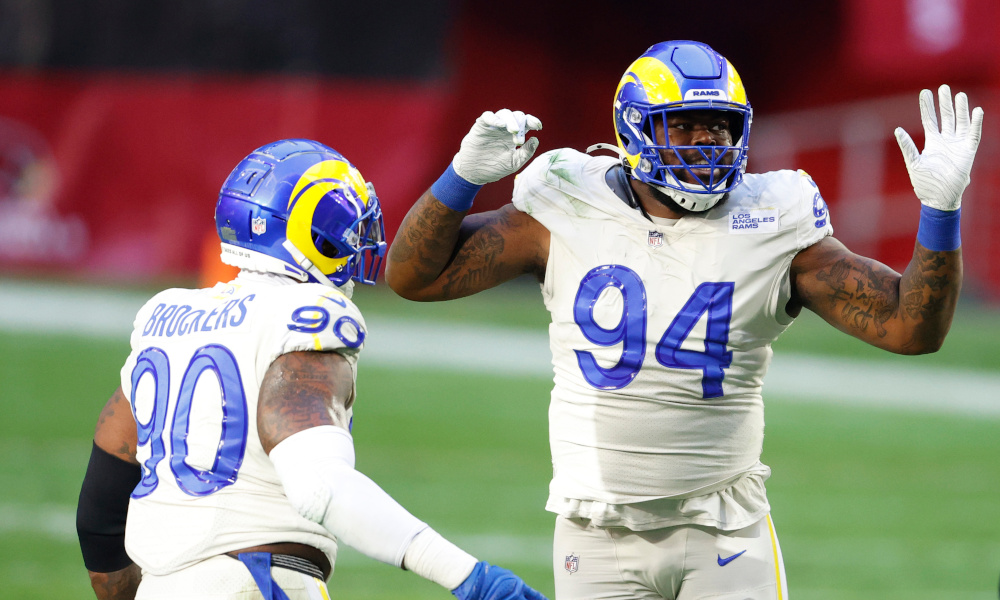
(909, 313)
(906, 314)
(440, 252)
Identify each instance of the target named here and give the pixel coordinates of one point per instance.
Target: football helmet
(299, 208)
(676, 76)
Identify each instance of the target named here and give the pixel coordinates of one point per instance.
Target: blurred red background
(109, 166)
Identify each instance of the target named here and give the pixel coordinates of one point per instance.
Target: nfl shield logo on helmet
(655, 239)
(258, 225)
(572, 564)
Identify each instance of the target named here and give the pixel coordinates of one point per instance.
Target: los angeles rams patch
(754, 220)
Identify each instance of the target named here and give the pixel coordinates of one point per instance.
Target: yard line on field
(60, 309)
(50, 520)
(397, 342)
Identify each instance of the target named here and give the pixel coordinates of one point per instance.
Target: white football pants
(673, 563)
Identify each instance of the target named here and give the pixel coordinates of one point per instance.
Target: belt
(297, 563)
(259, 564)
(298, 557)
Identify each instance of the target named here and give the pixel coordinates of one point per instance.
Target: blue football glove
(489, 582)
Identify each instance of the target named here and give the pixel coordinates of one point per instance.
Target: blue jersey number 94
(713, 299)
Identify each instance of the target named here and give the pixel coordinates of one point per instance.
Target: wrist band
(939, 230)
(435, 558)
(453, 191)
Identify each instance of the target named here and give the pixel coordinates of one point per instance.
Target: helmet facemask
(361, 242)
(695, 176)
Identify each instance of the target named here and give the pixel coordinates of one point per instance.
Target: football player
(223, 467)
(668, 272)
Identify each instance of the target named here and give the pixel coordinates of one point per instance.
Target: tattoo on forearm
(912, 303)
(119, 585)
(421, 245)
(932, 283)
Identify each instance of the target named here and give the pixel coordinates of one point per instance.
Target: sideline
(43, 308)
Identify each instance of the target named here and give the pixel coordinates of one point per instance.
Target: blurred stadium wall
(119, 119)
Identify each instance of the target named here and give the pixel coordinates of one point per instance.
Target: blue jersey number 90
(713, 299)
(232, 446)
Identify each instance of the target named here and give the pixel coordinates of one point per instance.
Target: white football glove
(941, 173)
(495, 147)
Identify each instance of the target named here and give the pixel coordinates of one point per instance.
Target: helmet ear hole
(326, 247)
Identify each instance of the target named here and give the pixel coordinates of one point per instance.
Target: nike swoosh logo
(725, 561)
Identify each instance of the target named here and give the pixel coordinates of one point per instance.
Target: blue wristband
(939, 229)
(453, 191)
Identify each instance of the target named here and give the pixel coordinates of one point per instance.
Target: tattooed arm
(302, 390)
(906, 314)
(116, 435)
(117, 585)
(442, 254)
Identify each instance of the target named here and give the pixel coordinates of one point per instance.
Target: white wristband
(435, 558)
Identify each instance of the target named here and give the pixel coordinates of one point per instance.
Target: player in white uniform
(223, 468)
(668, 273)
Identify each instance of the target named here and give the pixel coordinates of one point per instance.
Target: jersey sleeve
(532, 188)
(565, 182)
(311, 318)
(813, 219)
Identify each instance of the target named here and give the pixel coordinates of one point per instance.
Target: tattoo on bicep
(106, 413)
(476, 265)
(304, 395)
(874, 299)
(836, 279)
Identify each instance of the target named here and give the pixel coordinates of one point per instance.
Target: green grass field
(869, 503)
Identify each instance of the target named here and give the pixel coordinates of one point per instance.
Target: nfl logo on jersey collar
(654, 239)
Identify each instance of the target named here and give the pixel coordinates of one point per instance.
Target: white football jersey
(660, 337)
(193, 376)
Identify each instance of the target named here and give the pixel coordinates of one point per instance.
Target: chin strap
(305, 263)
(689, 200)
